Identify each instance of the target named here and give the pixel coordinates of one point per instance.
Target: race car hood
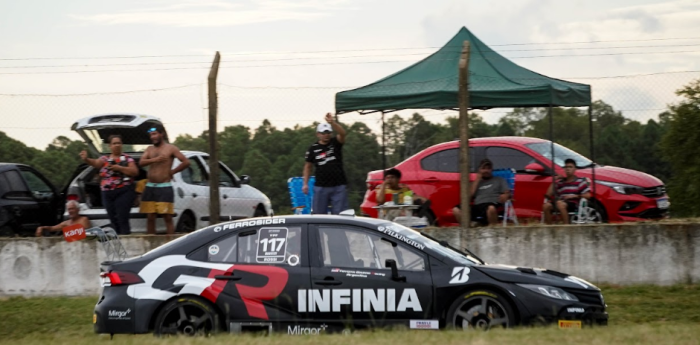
(527, 275)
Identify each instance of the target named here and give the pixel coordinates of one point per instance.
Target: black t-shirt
(328, 160)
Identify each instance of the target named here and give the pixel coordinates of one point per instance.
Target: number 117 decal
(272, 245)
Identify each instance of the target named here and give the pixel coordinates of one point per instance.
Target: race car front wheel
(481, 309)
(189, 316)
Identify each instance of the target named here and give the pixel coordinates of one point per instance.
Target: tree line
(665, 147)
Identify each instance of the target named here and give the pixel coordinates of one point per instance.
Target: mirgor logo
(298, 330)
(119, 315)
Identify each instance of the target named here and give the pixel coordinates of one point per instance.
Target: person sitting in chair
(392, 185)
(489, 192)
(570, 190)
(74, 217)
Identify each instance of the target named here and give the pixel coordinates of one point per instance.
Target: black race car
(317, 274)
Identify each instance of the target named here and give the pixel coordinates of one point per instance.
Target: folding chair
(584, 214)
(508, 209)
(301, 203)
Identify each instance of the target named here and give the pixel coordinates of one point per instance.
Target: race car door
(270, 266)
(350, 283)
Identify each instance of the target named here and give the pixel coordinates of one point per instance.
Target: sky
(285, 60)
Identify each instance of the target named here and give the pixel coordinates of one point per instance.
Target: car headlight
(550, 291)
(622, 188)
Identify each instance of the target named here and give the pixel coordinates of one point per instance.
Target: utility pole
(464, 136)
(214, 205)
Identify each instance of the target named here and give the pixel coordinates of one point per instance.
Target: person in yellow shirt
(392, 184)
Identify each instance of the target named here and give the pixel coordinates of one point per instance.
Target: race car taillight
(72, 197)
(113, 278)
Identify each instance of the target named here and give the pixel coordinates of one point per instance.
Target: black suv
(27, 200)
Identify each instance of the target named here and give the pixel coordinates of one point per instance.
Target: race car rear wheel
(481, 309)
(188, 316)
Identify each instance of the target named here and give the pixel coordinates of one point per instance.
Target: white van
(191, 186)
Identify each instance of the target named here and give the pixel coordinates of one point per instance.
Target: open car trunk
(133, 129)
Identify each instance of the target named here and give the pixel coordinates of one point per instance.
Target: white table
(384, 209)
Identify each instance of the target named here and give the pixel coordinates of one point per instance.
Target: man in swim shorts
(158, 196)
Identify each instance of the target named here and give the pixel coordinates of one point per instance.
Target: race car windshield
(428, 242)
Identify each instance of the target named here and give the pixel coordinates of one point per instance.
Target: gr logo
(460, 275)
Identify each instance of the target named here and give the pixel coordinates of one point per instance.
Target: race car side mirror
(394, 270)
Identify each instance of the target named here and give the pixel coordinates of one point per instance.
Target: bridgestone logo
(361, 300)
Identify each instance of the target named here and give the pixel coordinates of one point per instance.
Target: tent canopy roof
(494, 82)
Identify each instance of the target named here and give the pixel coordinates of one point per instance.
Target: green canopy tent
(494, 82)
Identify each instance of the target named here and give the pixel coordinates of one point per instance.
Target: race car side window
(270, 245)
(359, 249)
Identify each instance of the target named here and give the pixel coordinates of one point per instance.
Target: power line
(97, 93)
(337, 51)
(332, 63)
(341, 57)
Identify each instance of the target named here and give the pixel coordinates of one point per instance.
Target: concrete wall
(646, 253)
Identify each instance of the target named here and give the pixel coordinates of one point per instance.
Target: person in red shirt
(569, 191)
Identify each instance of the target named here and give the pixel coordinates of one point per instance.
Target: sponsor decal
(247, 223)
(357, 274)
(293, 260)
(73, 233)
(460, 275)
(569, 324)
(299, 330)
(424, 324)
(214, 249)
(575, 310)
(119, 315)
(361, 300)
(272, 245)
(389, 231)
(252, 296)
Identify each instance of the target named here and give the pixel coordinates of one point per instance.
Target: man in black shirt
(327, 155)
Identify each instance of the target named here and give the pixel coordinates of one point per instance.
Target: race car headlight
(622, 188)
(550, 291)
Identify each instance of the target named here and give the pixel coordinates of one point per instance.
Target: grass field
(638, 315)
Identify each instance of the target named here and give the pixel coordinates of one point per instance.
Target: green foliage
(680, 145)
(270, 155)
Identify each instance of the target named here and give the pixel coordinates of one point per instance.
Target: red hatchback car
(620, 194)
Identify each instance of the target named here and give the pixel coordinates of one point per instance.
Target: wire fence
(264, 133)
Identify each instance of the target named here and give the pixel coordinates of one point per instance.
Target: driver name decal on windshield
(272, 245)
(389, 231)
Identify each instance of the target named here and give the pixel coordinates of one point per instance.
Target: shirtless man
(158, 196)
(74, 217)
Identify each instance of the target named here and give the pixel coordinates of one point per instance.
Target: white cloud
(218, 13)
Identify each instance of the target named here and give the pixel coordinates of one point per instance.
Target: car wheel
(188, 316)
(598, 211)
(260, 212)
(186, 223)
(480, 309)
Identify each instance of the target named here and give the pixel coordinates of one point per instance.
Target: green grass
(638, 315)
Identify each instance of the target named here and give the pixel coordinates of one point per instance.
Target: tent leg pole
(551, 142)
(590, 138)
(383, 143)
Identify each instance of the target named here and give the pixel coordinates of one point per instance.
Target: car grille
(589, 297)
(654, 192)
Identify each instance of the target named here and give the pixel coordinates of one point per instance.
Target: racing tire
(186, 223)
(187, 316)
(480, 309)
